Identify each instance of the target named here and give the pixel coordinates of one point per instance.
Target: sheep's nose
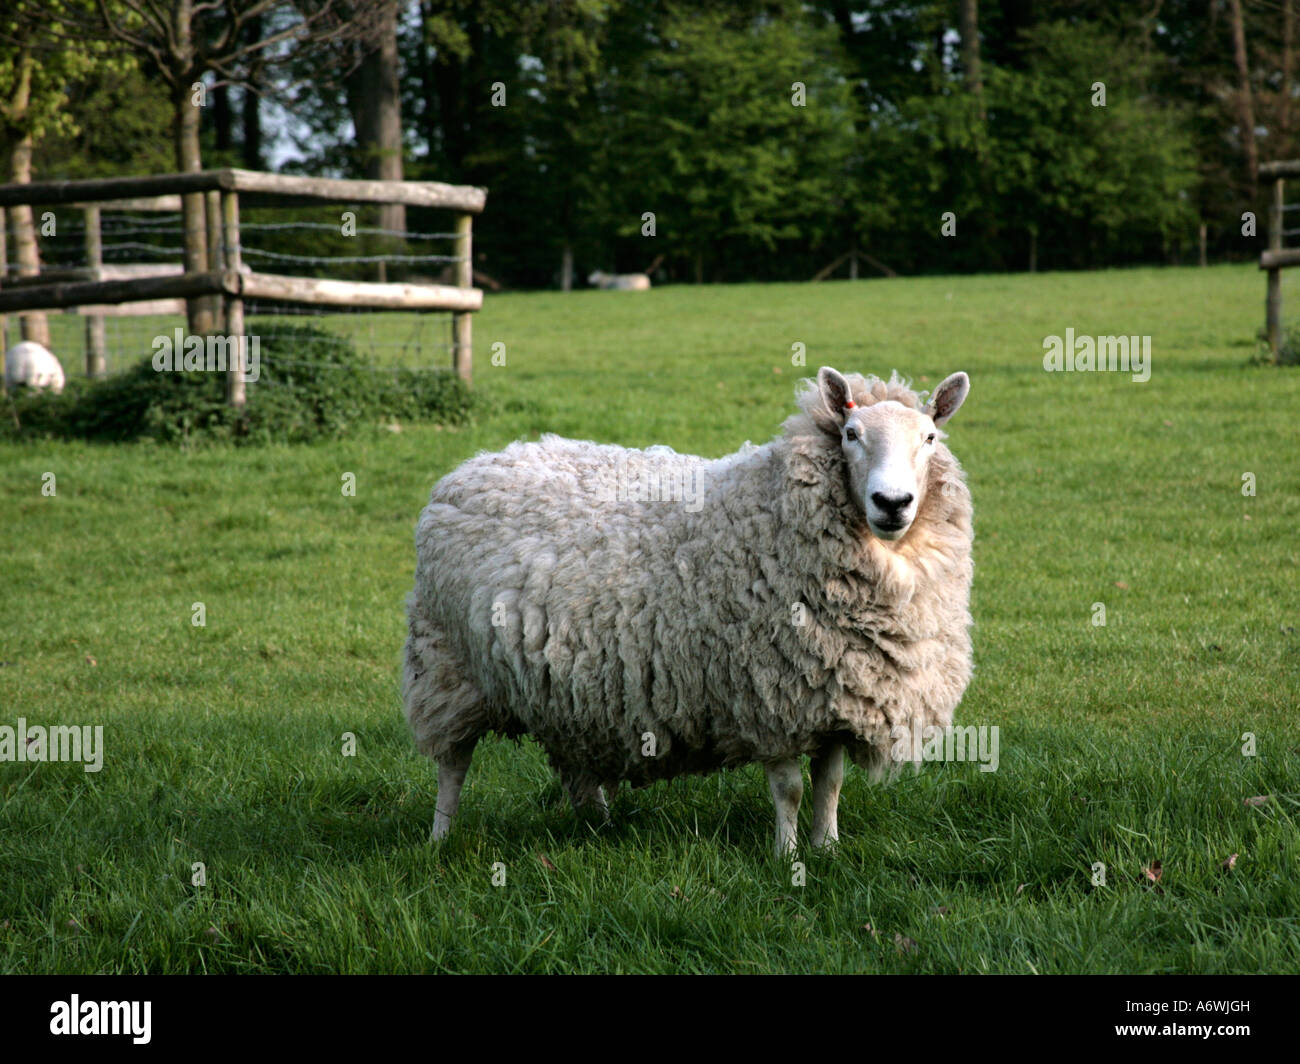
(892, 504)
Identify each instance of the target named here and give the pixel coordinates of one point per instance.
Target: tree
(35, 81)
(735, 131)
(1245, 105)
(186, 41)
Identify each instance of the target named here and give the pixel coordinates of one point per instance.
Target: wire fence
(303, 246)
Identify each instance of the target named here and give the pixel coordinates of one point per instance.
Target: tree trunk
(970, 53)
(1288, 70)
(428, 81)
(251, 105)
(566, 268)
(199, 316)
(35, 326)
(375, 100)
(251, 119)
(222, 119)
(1245, 104)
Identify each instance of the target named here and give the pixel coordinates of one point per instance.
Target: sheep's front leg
(827, 778)
(785, 781)
(451, 778)
(588, 795)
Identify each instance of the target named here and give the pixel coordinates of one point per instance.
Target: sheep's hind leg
(451, 778)
(785, 781)
(827, 778)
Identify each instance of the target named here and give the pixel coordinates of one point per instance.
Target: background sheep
(33, 365)
(645, 614)
(623, 282)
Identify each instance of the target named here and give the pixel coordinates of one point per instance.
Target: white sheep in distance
(620, 282)
(33, 365)
(645, 614)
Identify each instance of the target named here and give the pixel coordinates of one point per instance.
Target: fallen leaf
(546, 863)
(1169, 424)
(904, 944)
(676, 892)
(776, 369)
(1231, 862)
(865, 927)
(212, 933)
(941, 910)
(90, 660)
(1154, 872)
(1259, 799)
(1245, 517)
(1121, 584)
(1021, 889)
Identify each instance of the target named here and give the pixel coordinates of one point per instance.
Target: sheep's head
(887, 447)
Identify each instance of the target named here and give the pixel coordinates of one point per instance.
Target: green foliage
(311, 386)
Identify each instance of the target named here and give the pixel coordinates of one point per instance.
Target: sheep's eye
(851, 434)
(930, 438)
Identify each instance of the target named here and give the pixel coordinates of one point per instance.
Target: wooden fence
(99, 287)
(1277, 257)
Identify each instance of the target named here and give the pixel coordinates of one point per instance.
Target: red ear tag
(850, 405)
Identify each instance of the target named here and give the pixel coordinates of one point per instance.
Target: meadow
(1136, 757)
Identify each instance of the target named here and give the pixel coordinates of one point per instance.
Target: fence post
(1273, 305)
(96, 340)
(216, 257)
(4, 276)
(462, 324)
(234, 304)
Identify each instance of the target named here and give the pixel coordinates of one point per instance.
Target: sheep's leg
(587, 795)
(785, 781)
(451, 778)
(827, 777)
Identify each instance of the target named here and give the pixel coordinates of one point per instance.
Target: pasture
(1120, 745)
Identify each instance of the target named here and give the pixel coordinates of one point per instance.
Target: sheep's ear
(948, 397)
(835, 392)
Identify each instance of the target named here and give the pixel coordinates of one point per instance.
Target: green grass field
(1120, 744)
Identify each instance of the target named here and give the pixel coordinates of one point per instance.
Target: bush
(311, 386)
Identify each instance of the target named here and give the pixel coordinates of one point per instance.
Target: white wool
(611, 602)
(33, 365)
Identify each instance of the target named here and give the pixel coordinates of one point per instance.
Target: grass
(1119, 744)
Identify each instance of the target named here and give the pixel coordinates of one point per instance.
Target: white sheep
(645, 614)
(33, 365)
(621, 282)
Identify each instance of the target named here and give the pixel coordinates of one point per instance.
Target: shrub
(311, 386)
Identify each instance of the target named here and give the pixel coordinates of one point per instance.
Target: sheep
(33, 365)
(645, 614)
(621, 282)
